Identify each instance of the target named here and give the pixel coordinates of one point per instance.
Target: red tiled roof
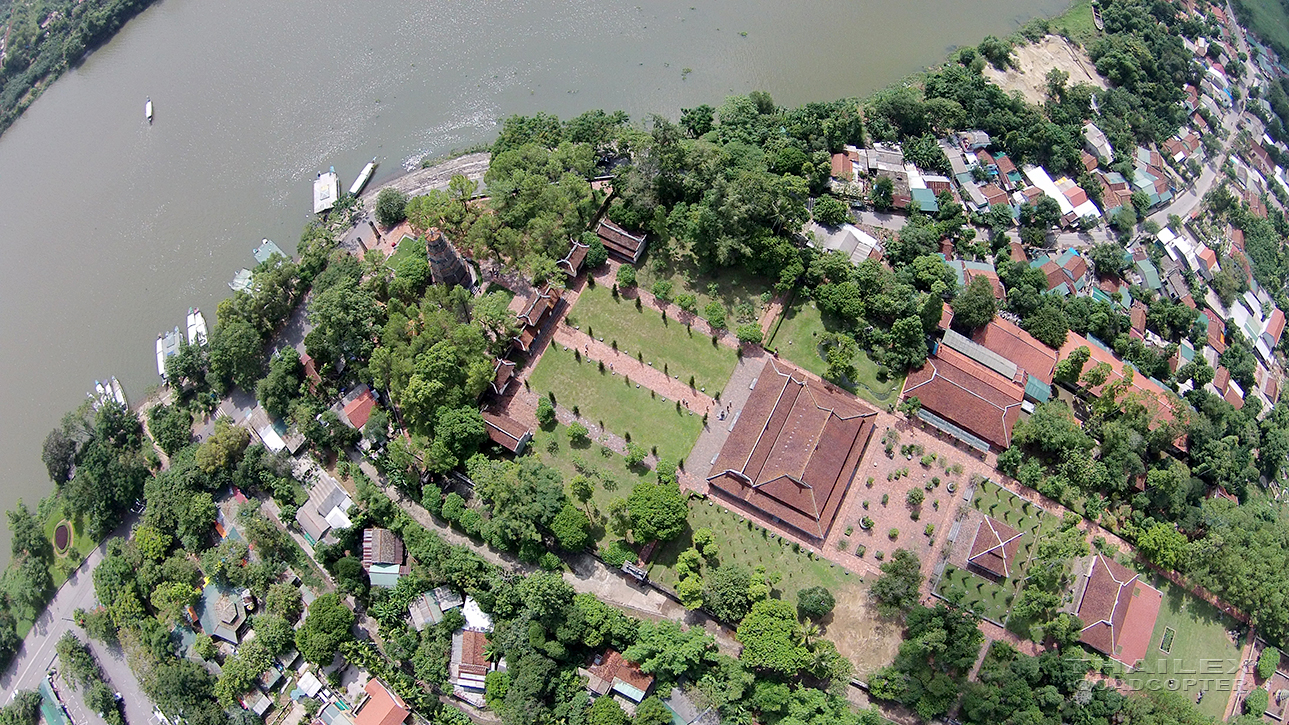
(1000, 292)
(1017, 252)
(842, 167)
(993, 194)
(613, 667)
(359, 410)
(473, 660)
(994, 547)
(1233, 397)
(1163, 404)
(1005, 165)
(502, 372)
(1138, 316)
(1221, 379)
(619, 241)
(1089, 161)
(1275, 325)
(967, 393)
(383, 706)
(1055, 275)
(505, 431)
(1076, 267)
(311, 372)
(1208, 257)
(1022, 348)
(1215, 329)
(572, 262)
(794, 450)
(1118, 610)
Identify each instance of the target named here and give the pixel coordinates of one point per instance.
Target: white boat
(147, 110)
(363, 177)
(161, 356)
(201, 325)
(118, 392)
(326, 190)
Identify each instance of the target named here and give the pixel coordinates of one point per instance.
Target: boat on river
(167, 345)
(363, 177)
(147, 110)
(326, 190)
(196, 327)
(118, 392)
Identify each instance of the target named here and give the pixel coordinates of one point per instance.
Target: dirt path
(1036, 59)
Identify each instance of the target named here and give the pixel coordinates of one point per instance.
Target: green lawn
(988, 599)
(665, 343)
(609, 472)
(797, 339)
(407, 246)
(1268, 19)
(1076, 22)
(740, 541)
(623, 408)
(1201, 657)
(733, 285)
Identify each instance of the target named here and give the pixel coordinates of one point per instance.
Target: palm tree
(807, 632)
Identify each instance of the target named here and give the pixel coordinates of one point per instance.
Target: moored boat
(118, 392)
(161, 356)
(363, 177)
(147, 110)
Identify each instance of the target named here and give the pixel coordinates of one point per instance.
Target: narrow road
(38, 652)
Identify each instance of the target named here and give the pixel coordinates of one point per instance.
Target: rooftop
(794, 449)
(1023, 349)
(1118, 609)
(968, 394)
(994, 547)
(382, 707)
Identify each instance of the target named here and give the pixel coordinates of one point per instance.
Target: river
(104, 219)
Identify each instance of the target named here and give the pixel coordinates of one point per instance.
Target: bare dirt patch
(1036, 59)
(866, 639)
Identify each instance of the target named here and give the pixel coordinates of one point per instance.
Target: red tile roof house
(534, 316)
(1018, 346)
(794, 450)
(468, 666)
(842, 168)
(507, 432)
(612, 675)
(620, 243)
(357, 406)
(382, 706)
(571, 264)
(994, 548)
(1117, 608)
(966, 394)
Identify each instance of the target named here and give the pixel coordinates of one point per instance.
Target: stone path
(733, 398)
(620, 362)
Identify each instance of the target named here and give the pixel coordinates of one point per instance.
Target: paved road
(38, 649)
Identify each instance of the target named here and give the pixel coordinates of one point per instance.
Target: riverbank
(418, 182)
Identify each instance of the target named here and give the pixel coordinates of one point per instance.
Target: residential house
(326, 509)
(848, 239)
(793, 451)
(468, 666)
(356, 406)
(610, 674)
(1032, 358)
(381, 706)
(1095, 141)
(383, 557)
(428, 608)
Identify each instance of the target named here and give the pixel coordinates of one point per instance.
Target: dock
(326, 190)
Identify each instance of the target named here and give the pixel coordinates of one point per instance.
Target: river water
(110, 229)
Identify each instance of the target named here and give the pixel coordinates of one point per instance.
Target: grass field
(610, 474)
(1268, 19)
(733, 285)
(1201, 657)
(1076, 23)
(662, 342)
(988, 599)
(742, 542)
(407, 246)
(622, 408)
(797, 339)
